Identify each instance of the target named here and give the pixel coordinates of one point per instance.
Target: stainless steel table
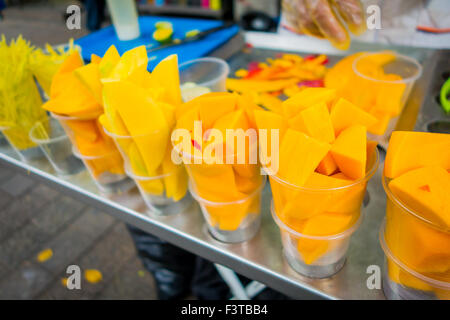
(261, 258)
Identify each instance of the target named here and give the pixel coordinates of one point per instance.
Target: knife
(198, 36)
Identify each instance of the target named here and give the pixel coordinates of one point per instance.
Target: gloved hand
(318, 18)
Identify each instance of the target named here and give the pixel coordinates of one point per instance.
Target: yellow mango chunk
(299, 156)
(213, 106)
(74, 100)
(350, 151)
(109, 61)
(327, 166)
(315, 121)
(307, 98)
(95, 59)
(321, 225)
(89, 75)
(130, 61)
(345, 114)
(175, 177)
(167, 76)
(425, 190)
(151, 137)
(411, 150)
(406, 279)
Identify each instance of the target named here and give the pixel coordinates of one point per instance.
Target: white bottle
(125, 18)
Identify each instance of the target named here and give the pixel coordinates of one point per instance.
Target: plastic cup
(153, 187)
(229, 194)
(234, 221)
(384, 97)
(20, 142)
(103, 170)
(125, 19)
(400, 282)
(203, 75)
(56, 146)
(316, 224)
(157, 201)
(87, 135)
(418, 245)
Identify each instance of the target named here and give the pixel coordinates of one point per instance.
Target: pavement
(34, 217)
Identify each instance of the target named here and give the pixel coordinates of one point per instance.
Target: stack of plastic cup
(203, 75)
(98, 153)
(56, 146)
(417, 253)
(153, 187)
(230, 217)
(316, 224)
(21, 143)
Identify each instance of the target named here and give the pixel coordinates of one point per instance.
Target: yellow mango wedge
(166, 75)
(152, 137)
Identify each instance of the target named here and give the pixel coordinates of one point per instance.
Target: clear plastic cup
(166, 183)
(203, 75)
(104, 171)
(316, 224)
(154, 194)
(419, 245)
(328, 253)
(234, 221)
(383, 96)
(229, 194)
(20, 142)
(56, 146)
(125, 18)
(400, 282)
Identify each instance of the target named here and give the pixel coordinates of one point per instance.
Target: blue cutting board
(98, 42)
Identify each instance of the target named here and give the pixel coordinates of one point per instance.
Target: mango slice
(89, 75)
(345, 114)
(152, 137)
(327, 166)
(299, 156)
(130, 61)
(109, 61)
(166, 75)
(307, 98)
(350, 151)
(315, 121)
(212, 106)
(412, 150)
(425, 190)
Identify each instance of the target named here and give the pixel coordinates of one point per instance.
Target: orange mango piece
(411, 150)
(321, 225)
(425, 190)
(406, 279)
(95, 59)
(345, 114)
(327, 166)
(213, 106)
(299, 156)
(315, 121)
(350, 151)
(307, 98)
